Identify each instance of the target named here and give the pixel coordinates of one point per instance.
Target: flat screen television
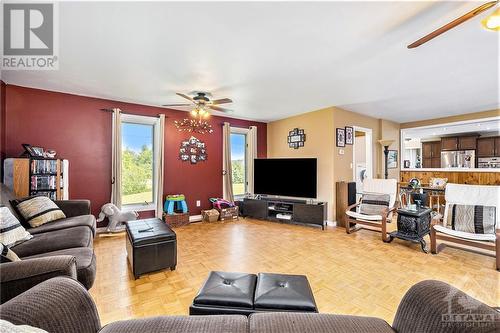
(291, 177)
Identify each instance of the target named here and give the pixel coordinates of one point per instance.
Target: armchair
(19, 276)
(381, 186)
(484, 195)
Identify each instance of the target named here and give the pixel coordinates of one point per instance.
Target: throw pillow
(8, 327)
(374, 203)
(7, 255)
(38, 210)
(472, 219)
(11, 230)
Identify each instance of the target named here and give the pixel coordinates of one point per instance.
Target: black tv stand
(294, 211)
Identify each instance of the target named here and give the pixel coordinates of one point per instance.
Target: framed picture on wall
(349, 135)
(392, 159)
(340, 137)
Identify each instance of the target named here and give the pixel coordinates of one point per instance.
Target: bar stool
(177, 200)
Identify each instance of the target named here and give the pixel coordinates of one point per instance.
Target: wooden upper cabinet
(467, 142)
(486, 147)
(497, 146)
(431, 149)
(449, 143)
(427, 150)
(436, 150)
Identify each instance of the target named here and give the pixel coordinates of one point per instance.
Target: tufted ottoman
(242, 293)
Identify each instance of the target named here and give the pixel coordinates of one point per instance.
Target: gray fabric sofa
(54, 246)
(62, 304)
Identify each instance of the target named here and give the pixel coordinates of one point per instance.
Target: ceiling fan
(201, 102)
(460, 20)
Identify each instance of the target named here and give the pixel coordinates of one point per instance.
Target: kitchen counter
(453, 169)
(457, 176)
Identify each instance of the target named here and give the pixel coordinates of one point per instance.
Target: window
(238, 160)
(138, 160)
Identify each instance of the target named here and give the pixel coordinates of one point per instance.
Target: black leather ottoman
(241, 293)
(151, 246)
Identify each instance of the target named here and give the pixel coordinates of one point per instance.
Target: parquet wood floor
(349, 274)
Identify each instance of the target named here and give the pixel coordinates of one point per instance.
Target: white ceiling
(483, 127)
(278, 59)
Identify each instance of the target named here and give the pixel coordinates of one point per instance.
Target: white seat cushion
(360, 216)
(465, 235)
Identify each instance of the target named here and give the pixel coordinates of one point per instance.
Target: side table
(413, 225)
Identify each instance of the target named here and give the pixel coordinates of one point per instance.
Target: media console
(286, 210)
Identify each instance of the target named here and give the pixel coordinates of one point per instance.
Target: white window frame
(155, 122)
(240, 130)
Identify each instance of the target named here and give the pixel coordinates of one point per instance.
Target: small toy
(178, 200)
(116, 217)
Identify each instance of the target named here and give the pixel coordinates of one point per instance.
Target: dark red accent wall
(2, 126)
(75, 127)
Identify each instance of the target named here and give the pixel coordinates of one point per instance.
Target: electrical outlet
(198, 203)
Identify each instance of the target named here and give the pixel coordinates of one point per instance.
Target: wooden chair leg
(384, 230)
(497, 249)
(433, 240)
(348, 225)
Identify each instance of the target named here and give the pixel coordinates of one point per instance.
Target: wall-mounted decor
(193, 150)
(340, 137)
(392, 159)
(349, 135)
(193, 126)
(296, 138)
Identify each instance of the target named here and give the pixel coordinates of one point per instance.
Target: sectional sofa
(62, 304)
(54, 248)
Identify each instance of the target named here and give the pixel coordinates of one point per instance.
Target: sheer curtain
(227, 180)
(116, 158)
(160, 166)
(251, 155)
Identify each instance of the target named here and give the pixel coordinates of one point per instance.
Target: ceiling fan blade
(453, 24)
(185, 96)
(218, 108)
(222, 101)
(179, 104)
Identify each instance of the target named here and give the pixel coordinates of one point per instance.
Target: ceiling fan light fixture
(492, 22)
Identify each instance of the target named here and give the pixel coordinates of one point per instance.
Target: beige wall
(444, 120)
(319, 127)
(389, 130)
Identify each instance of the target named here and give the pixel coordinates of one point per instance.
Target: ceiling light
(492, 22)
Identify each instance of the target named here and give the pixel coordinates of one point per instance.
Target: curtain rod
(133, 114)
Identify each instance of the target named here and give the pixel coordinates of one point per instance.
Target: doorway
(362, 165)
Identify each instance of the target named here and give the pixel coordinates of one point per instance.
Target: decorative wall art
(296, 138)
(392, 159)
(193, 150)
(349, 135)
(340, 137)
(194, 126)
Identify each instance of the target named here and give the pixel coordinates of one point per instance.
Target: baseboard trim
(195, 218)
(331, 223)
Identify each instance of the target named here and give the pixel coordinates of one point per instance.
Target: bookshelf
(37, 176)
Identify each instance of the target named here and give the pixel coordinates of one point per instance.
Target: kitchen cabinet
(467, 142)
(431, 154)
(486, 147)
(497, 146)
(449, 143)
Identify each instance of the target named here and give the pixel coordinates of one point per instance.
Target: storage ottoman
(151, 246)
(241, 293)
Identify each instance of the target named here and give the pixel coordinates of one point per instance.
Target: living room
(319, 167)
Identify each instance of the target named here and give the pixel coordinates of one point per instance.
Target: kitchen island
(474, 176)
